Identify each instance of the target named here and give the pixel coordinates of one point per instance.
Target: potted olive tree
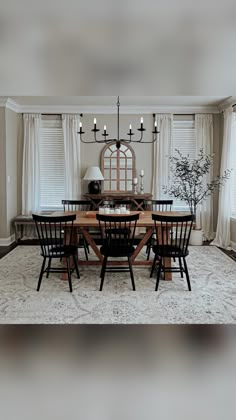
(186, 184)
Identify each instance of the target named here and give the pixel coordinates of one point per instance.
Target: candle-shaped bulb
(130, 128)
(142, 120)
(80, 124)
(95, 121)
(105, 128)
(142, 172)
(156, 124)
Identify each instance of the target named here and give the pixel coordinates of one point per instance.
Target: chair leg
(103, 272)
(49, 266)
(159, 274)
(76, 266)
(149, 252)
(41, 274)
(69, 274)
(87, 246)
(181, 268)
(187, 275)
(85, 249)
(153, 266)
(131, 275)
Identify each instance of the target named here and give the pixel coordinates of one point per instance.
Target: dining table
(86, 222)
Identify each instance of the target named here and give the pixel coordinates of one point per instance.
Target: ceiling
(83, 47)
(145, 101)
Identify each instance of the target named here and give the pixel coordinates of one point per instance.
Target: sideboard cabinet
(137, 200)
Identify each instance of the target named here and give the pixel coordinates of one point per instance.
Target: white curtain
(161, 153)
(70, 125)
(223, 226)
(31, 167)
(204, 141)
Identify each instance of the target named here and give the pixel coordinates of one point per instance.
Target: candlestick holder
(135, 183)
(141, 184)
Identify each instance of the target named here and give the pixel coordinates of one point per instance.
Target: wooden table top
(88, 219)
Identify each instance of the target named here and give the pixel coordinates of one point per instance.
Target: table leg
(142, 243)
(91, 242)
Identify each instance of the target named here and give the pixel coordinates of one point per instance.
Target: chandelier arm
(86, 142)
(138, 141)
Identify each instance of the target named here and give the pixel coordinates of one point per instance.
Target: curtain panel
(223, 239)
(70, 125)
(204, 141)
(161, 152)
(31, 166)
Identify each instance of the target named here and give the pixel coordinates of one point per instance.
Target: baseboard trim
(7, 241)
(233, 244)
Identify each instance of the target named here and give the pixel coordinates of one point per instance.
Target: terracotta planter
(196, 238)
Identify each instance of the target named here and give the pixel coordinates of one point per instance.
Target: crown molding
(230, 101)
(8, 103)
(111, 110)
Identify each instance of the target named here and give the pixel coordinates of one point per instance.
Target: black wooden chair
(117, 234)
(156, 205)
(173, 235)
(51, 232)
(79, 205)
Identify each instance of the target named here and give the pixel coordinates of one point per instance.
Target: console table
(137, 199)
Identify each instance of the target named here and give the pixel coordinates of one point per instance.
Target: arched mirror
(118, 167)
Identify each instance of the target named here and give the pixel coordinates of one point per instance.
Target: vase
(196, 238)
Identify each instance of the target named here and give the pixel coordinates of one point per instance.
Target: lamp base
(94, 187)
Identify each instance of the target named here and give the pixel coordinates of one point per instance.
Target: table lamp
(94, 175)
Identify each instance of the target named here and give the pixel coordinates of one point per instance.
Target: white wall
(11, 151)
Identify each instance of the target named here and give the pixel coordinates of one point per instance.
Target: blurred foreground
(109, 47)
(117, 373)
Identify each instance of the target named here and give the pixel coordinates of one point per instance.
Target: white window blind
(52, 165)
(234, 170)
(184, 140)
(184, 137)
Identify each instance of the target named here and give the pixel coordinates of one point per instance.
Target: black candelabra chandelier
(119, 141)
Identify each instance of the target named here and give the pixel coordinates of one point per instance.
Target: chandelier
(119, 141)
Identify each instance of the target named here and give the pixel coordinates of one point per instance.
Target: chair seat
(170, 251)
(63, 251)
(117, 250)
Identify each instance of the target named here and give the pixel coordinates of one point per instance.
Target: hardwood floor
(4, 250)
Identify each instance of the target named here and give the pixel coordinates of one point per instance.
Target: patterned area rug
(212, 301)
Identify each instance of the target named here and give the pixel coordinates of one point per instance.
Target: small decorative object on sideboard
(141, 183)
(135, 182)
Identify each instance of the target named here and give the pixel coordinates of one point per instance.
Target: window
(184, 140)
(52, 165)
(233, 183)
(118, 168)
